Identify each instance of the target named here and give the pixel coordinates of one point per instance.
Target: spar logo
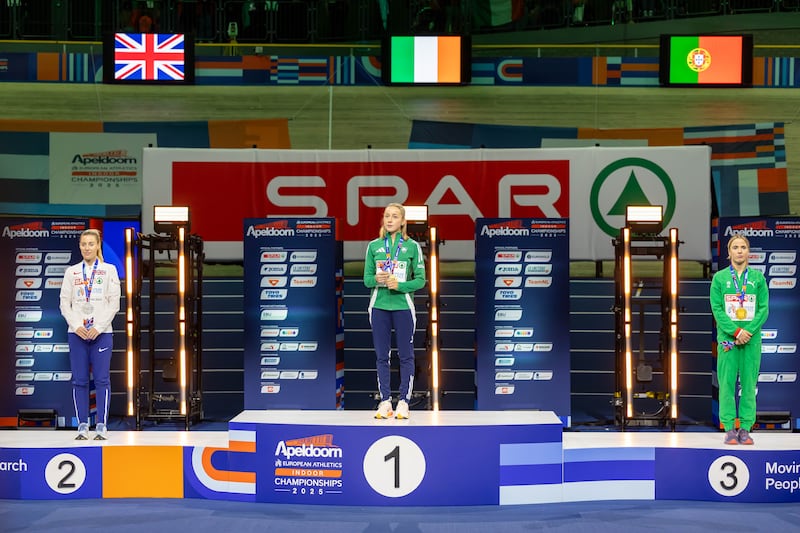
(27, 230)
(278, 228)
(317, 446)
(110, 157)
(29, 257)
(511, 228)
(629, 181)
(508, 256)
(271, 256)
(758, 228)
(698, 60)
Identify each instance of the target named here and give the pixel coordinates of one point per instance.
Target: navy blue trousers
(403, 323)
(95, 356)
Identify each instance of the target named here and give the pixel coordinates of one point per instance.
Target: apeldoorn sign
(586, 185)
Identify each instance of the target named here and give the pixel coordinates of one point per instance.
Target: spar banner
(522, 306)
(34, 362)
(590, 186)
(774, 249)
(97, 168)
(294, 332)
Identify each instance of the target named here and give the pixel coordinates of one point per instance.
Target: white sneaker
(83, 431)
(101, 433)
(384, 410)
(402, 410)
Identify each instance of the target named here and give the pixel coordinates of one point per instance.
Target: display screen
(426, 60)
(163, 58)
(706, 60)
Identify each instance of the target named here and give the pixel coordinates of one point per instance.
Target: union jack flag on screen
(149, 56)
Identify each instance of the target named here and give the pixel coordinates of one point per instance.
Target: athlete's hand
(92, 334)
(392, 283)
(82, 332)
(381, 277)
(744, 337)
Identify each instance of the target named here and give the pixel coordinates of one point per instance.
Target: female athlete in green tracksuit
(393, 268)
(740, 305)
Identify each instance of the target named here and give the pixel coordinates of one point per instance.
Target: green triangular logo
(632, 194)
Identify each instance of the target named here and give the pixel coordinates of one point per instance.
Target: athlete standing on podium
(90, 294)
(740, 305)
(394, 268)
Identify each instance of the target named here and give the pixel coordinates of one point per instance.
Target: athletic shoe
(402, 410)
(744, 437)
(101, 433)
(83, 431)
(732, 437)
(384, 410)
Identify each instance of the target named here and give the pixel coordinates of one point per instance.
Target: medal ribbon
(388, 265)
(739, 293)
(88, 283)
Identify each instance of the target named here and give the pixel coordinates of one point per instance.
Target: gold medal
(741, 313)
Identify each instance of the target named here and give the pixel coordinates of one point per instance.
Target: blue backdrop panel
(293, 327)
(522, 300)
(35, 371)
(774, 249)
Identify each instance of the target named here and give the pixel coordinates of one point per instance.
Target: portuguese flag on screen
(706, 59)
(428, 59)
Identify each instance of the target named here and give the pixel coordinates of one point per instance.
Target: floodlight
(416, 218)
(644, 218)
(168, 218)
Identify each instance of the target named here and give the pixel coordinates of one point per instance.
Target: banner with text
(35, 371)
(97, 168)
(774, 249)
(294, 331)
(522, 302)
(590, 186)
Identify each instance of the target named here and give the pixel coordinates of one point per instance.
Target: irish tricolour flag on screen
(706, 59)
(426, 59)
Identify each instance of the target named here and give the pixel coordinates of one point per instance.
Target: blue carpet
(207, 516)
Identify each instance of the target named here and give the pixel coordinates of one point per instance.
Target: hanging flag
(497, 12)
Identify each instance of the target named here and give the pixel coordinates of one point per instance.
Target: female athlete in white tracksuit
(90, 294)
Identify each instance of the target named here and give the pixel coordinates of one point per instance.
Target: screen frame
(188, 61)
(466, 60)
(664, 53)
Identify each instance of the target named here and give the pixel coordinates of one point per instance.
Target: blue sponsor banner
(35, 370)
(423, 465)
(717, 475)
(774, 249)
(522, 293)
(67, 473)
(292, 314)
